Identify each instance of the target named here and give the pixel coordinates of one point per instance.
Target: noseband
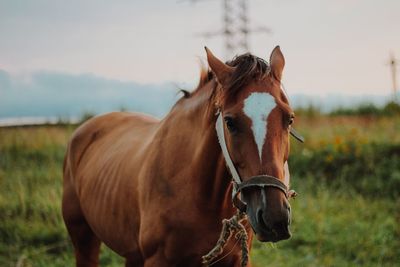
(261, 181)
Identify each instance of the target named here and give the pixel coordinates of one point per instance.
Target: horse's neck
(209, 171)
(207, 175)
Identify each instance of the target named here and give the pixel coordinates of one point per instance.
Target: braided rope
(229, 227)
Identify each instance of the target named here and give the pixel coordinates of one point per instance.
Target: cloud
(55, 94)
(59, 94)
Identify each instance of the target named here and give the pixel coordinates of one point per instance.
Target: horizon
(50, 96)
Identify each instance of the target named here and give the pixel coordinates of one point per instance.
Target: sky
(330, 46)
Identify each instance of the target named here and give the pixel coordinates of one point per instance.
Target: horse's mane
(248, 68)
(205, 76)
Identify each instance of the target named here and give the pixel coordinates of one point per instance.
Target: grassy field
(348, 212)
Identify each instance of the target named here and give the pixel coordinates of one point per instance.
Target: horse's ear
(277, 62)
(220, 69)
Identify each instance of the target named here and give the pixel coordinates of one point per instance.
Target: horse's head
(256, 126)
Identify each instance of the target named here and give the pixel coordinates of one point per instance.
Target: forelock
(248, 68)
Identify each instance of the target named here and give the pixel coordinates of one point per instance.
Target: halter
(261, 181)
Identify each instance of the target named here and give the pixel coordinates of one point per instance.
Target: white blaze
(258, 106)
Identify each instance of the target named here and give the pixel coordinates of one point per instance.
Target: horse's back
(101, 168)
(110, 126)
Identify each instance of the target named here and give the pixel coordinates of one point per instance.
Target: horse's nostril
(260, 219)
(282, 229)
(286, 205)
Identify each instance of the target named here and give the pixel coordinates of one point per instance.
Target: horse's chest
(185, 240)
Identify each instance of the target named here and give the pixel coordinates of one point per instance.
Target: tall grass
(335, 228)
(347, 213)
(359, 153)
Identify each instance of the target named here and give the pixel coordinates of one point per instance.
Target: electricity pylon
(393, 68)
(235, 28)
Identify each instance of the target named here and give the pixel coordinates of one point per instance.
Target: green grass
(334, 224)
(337, 229)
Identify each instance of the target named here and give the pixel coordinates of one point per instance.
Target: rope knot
(229, 227)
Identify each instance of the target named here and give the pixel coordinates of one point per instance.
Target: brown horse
(156, 191)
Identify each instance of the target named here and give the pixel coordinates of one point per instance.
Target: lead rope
(229, 227)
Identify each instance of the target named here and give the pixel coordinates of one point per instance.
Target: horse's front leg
(157, 260)
(153, 250)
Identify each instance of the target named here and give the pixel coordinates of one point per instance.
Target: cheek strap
(219, 126)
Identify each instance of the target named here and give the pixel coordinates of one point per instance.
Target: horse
(155, 191)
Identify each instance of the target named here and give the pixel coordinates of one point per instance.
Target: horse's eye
(230, 124)
(291, 119)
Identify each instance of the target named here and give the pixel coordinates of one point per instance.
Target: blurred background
(62, 62)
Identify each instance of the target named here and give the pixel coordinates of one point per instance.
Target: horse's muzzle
(269, 216)
(266, 231)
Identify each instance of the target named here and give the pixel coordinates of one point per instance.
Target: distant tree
(368, 109)
(86, 116)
